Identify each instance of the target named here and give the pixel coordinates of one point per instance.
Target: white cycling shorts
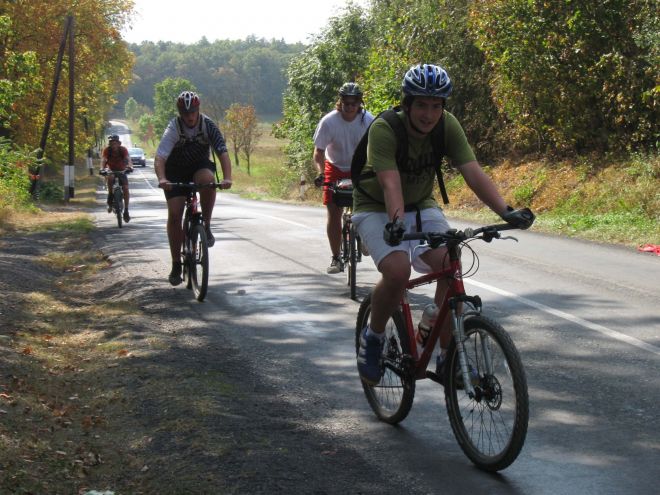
(371, 226)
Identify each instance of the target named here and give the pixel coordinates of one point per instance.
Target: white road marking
(572, 318)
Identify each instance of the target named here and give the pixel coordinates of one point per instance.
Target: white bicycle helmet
(426, 80)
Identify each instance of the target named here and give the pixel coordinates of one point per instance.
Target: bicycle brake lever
(509, 237)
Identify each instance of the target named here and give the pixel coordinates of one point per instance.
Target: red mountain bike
(195, 250)
(484, 380)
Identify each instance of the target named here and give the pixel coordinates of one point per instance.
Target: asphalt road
(585, 317)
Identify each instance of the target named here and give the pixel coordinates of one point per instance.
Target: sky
(186, 21)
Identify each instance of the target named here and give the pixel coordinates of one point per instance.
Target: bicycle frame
(454, 296)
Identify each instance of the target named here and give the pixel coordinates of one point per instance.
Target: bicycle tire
(392, 398)
(199, 261)
(491, 427)
(352, 262)
(186, 262)
(118, 198)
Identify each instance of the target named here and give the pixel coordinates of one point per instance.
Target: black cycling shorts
(185, 175)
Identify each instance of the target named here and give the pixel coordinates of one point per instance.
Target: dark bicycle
(195, 249)
(117, 194)
(351, 244)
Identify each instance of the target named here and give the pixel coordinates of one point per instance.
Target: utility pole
(69, 168)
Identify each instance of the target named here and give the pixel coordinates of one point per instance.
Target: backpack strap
(438, 143)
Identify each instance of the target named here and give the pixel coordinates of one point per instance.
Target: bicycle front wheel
(491, 426)
(199, 261)
(119, 206)
(392, 398)
(352, 261)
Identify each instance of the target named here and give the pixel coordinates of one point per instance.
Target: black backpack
(391, 117)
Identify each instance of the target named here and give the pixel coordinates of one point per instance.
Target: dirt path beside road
(108, 384)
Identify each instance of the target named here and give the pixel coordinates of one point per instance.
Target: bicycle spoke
(491, 426)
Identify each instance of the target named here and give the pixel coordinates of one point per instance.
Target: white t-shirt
(339, 138)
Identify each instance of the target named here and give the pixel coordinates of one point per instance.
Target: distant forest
(249, 72)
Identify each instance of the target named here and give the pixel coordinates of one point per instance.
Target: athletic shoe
(210, 240)
(336, 265)
(369, 358)
(127, 217)
(175, 274)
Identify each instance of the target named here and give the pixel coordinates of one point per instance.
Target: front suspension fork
(458, 315)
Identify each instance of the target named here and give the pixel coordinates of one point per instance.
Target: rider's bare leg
(206, 194)
(333, 228)
(175, 225)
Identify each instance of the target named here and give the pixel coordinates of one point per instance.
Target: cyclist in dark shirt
(115, 157)
(183, 156)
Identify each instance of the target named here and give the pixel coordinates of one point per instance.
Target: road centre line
(572, 318)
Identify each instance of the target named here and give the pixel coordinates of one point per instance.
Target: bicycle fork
(458, 317)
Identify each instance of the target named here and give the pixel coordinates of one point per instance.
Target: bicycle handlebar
(115, 172)
(194, 187)
(435, 239)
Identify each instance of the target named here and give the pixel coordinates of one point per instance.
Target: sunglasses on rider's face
(350, 103)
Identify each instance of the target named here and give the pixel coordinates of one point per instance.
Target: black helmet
(426, 80)
(114, 137)
(350, 89)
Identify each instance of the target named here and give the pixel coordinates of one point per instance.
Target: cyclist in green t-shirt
(380, 214)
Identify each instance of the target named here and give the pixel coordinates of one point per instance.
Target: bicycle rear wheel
(199, 261)
(392, 398)
(352, 260)
(490, 427)
(118, 199)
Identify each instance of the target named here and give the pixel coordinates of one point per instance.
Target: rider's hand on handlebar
(164, 184)
(318, 180)
(225, 184)
(522, 219)
(394, 232)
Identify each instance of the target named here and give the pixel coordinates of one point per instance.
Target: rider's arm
(104, 158)
(159, 168)
(225, 165)
(319, 159)
(483, 186)
(127, 162)
(390, 182)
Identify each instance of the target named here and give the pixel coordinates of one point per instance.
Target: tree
(103, 66)
(147, 128)
(131, 110)
(242, 128)
(338, 55)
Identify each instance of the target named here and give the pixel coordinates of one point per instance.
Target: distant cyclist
(183, 156)
(380, 212)
(115, 157)
(336, 137)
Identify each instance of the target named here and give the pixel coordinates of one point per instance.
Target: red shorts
(332, 174)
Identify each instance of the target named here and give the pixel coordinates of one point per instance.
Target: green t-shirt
(418, 178)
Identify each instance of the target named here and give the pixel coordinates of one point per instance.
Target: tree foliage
(29, 49)
(249, 72)
(336, 56)
(574, 75)
(529, 75)
(242, 131)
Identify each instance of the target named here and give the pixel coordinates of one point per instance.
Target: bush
(15, 167)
